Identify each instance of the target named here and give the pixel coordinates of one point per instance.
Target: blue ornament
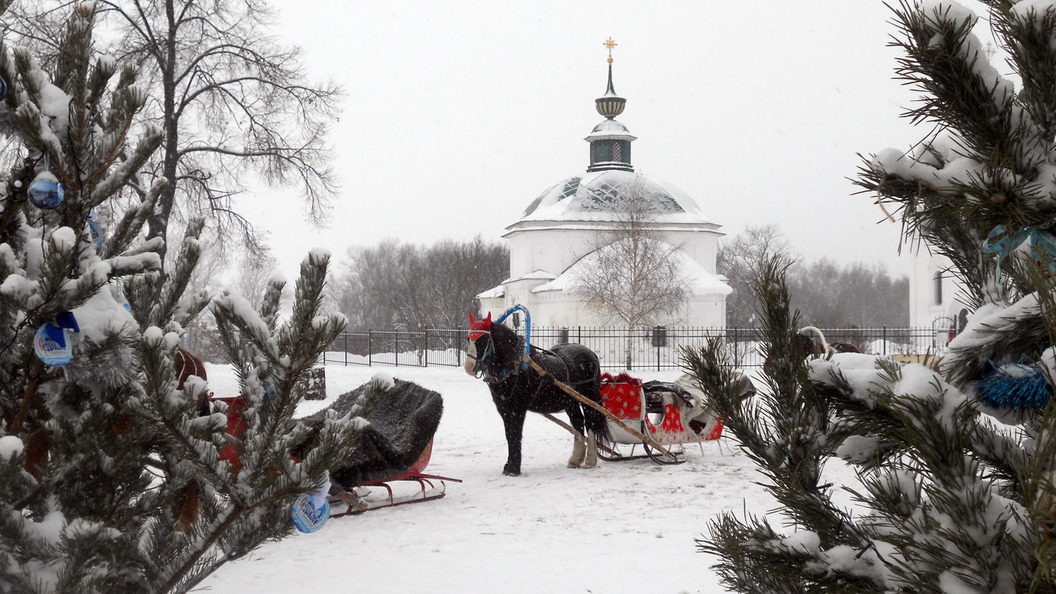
(52, 345)
(1004, 243)
(1015, 386)
(306, 516)
(95, 233)
(65, 319)
(45, 192)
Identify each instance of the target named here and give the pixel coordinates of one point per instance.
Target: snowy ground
(621, 527)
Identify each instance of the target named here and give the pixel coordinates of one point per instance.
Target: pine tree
(955, 464)
(111, 479)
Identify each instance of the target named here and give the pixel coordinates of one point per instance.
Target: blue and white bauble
(96, 233)
(52, 345)
(45, 191)
(306, 516)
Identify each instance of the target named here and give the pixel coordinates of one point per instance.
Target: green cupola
(610, 141)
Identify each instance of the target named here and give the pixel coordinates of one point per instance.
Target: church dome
(602, 196)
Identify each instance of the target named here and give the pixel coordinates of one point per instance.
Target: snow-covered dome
(601, 195)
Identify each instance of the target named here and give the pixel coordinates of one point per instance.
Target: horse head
(479, 343)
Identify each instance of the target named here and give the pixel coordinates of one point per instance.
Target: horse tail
(595, 421)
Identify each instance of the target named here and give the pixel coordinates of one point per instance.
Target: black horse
(494, 354)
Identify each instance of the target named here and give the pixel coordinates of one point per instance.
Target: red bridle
(478, 328)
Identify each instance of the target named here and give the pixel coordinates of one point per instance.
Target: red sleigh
(394, 451)
(670, 413)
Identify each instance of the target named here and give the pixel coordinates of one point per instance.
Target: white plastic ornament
(52, 345)
(95, 232)
(45, 192)
(306, 517)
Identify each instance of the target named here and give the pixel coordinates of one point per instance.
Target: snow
(1033, 10)
(10, 446)
(697, 279)
(592, 197)
(621, 527)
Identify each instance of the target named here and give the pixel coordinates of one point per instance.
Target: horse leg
(579, 448)
(513, 421)
(592, 450)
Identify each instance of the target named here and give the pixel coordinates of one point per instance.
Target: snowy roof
(698, 280)
(537, 275)
(540, 276)
(609, 129)
(493, 293)
(597, 196)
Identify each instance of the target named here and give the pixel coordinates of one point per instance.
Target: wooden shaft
(573, 393)
(569, 428)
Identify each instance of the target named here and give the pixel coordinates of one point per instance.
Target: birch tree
(632, 274)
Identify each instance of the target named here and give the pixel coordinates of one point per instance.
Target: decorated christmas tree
(953, 462)
(116, 474)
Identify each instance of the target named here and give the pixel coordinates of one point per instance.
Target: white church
(556, 235)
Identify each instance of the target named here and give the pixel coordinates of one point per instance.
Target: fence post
(396, 345)
(736, 349)
(458, 351)
(427, 346)
(346, 348)
(884, 348)
(658, 351)
(370, 348)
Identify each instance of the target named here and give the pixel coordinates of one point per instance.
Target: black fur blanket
(402, 422)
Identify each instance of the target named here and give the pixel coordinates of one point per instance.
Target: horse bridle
(489, 351)
(474, 336)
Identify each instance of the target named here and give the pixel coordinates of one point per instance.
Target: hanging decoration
(45, 191)
(1014, 386)
(119, 296)
(1004, 243)
(95, 232)
(52, 345)
(312, 510)
(52, 341)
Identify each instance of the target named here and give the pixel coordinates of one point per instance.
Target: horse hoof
(590, 464)
(511, 472)
(572, 464)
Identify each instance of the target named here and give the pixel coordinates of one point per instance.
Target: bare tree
(417, 287)
(254, 275)
(740, 260)
(832, 295)
(633, 274)
(228, 96)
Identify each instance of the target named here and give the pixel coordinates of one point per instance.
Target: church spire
(610, 104)
(610, 141)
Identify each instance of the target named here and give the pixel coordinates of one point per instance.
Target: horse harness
(506, 374)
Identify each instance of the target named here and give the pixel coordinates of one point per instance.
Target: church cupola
(610, 141)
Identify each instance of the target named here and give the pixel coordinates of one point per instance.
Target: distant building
(558, 232)
(934, 297)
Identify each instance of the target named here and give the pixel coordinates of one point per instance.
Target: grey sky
(459, 113)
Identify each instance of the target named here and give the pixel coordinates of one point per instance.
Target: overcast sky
(459, 113)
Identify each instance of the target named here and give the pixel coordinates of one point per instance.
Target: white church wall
(552, 250)
(933, 293)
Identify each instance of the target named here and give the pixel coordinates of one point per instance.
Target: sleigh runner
(392, 455)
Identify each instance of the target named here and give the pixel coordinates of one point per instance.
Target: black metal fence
(646, 348)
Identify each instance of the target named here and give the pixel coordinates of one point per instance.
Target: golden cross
(609, 43)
